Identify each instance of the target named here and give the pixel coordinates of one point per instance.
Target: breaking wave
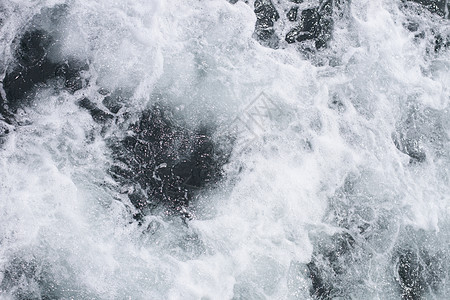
(225, 149)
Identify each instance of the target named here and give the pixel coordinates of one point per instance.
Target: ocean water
(221, 149)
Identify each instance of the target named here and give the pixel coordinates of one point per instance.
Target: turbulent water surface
(213, 149)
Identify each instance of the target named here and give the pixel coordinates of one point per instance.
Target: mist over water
(224, 149)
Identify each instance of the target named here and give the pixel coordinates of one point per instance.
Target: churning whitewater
(214, 149)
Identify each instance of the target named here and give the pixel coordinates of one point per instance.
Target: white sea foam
(253, 234)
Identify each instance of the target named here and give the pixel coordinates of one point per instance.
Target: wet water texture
(263, 149)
